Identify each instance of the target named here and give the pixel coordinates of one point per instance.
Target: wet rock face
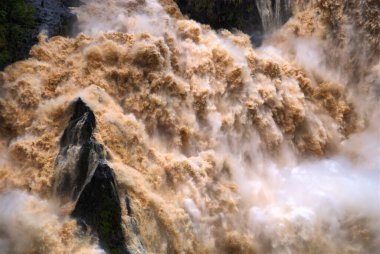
(252, 17)
(81, 125)
(79, 154)
(83, 176)
(242, 15)
(53, 17)
(99, 207)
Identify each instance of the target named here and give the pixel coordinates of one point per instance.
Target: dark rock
(53, 17)
(99, 208)
(128, 204)
(83, 176)
(81, 125)
(79, 153)
(244, 15)
(72, 3)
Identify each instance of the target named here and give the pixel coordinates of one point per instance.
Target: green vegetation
(16, 27)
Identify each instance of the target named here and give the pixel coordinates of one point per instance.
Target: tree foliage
(16, 24)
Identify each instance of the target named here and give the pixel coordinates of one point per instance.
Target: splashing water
(223, 148)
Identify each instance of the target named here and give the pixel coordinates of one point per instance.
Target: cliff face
(22, 20)
(52, 16)
(251, 17)
(242, 15)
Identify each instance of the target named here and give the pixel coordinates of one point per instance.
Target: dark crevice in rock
(128, 204)
(83, 176)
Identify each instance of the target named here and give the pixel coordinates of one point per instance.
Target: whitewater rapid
(221, 147)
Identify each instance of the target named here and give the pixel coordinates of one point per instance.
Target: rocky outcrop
(79, 155)
(83, 176)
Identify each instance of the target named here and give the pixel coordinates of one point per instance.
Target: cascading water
(273, 13)
(195, 141)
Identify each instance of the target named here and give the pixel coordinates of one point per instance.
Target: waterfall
(273, 13)
(151, 133)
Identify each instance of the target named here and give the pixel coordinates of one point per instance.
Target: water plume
(32, 225)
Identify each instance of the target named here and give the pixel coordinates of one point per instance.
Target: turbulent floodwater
(222, 147)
